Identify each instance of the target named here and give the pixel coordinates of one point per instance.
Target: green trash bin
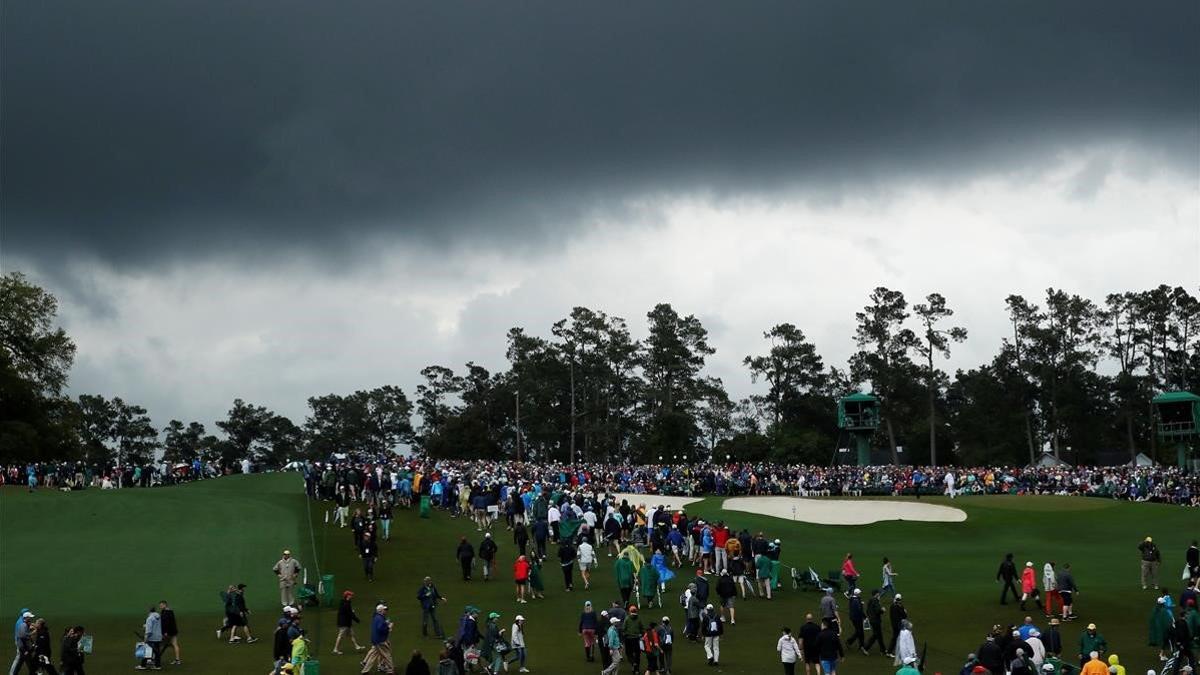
(312, 668)
(327, 590)
(424, 506)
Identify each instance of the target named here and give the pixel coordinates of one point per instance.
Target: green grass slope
(99, 558)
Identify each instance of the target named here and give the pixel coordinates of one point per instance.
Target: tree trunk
(932, 414)
(572, 444)
(1029, 436)
(1153, 436)
(1129, 435)
(891, 440)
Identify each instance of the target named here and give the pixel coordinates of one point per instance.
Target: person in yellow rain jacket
(1114, 665)
(299, 652)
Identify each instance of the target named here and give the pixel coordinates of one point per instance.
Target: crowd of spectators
(1133, 483)
(82, 475)
(442, 477)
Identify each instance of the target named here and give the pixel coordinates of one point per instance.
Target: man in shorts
(587, 560)
(809, 633)
(170, 631)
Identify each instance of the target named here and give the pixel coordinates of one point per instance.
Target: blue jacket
(428, 595)
(379, 629)
(17, 627)
(153, 627)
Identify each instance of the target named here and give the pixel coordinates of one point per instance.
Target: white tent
(1048, 460)
(1141, 460)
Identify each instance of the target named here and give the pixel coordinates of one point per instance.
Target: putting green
(100, 558)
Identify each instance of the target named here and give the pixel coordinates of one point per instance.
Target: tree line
(1073, 376)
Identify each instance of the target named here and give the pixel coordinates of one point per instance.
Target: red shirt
(848, 568)
(720, 536)
(521, 570)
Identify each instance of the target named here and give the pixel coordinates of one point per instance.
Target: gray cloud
(141, 133)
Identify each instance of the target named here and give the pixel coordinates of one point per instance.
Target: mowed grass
(100, 558)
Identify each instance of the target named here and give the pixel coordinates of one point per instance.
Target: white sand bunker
(844, 511)
(672, 503)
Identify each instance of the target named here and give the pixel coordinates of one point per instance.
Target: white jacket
(788, 648)
(516, 636)
(1049, 580)
(587, 554)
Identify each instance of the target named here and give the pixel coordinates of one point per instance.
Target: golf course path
(844, 511)
(671, 503)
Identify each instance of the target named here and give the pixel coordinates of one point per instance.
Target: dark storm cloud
(144, 131)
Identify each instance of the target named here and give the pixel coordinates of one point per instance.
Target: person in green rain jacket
(535, 578)
(624, 572)
(647, 584)
(1161, 624)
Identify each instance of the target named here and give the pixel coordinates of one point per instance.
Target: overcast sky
(273, 200)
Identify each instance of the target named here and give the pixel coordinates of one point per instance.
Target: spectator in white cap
(516, 637)
(897, 614)
(909, 667)
(23, 637)
(1038, 657)
(380, 654)
(612, 642)
(1029, 588)
(666, 638)
(288, 571)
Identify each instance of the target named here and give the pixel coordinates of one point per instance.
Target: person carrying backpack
(652, 647)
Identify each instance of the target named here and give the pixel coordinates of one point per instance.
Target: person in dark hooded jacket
(1052, 639)
(487, 553)
(417, 665)
(281, 645)
(990, 656)
(1007, 574)
(466, 557)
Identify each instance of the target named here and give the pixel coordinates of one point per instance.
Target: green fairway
(100, 558)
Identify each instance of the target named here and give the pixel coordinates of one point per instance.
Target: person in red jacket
(720, 538)
(521, 577)
(1029, 588)
(849, 574)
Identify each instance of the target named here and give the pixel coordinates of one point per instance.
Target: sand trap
(844, 511)
(672, 503)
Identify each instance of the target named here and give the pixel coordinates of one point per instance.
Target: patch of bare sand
(844, 511)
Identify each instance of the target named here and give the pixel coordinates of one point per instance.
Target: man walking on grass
(429, 597)
(1151, 558)
(288, 570)
(22, 637)
(170, 631)
(380, 654)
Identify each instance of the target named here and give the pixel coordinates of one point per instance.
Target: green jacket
(1092, 643)
(648, 581)
(535, 577)
(1160, 627)
(1193, 622)
(632, 626)
(624, 571)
